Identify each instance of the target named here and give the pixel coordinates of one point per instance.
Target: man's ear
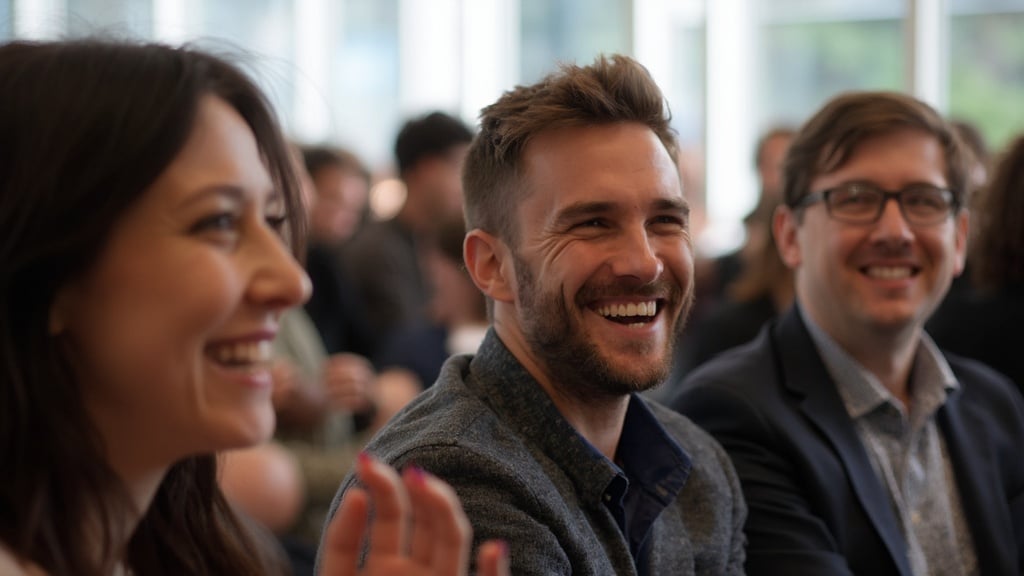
(962, 221)
(489, 263)
(785, 225)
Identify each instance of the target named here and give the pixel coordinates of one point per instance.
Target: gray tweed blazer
(526, 476)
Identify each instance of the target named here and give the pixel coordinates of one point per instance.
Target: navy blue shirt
(652, 470)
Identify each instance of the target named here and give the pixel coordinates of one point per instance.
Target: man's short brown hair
(827, 140)
(611, 90)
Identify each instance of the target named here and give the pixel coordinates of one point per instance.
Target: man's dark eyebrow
(582, 210)
(673, 204)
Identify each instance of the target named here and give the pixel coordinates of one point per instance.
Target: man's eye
(592, 223)
(855, 197)
(925, 199)
(670, 220)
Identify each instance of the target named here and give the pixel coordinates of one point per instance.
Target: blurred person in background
(385, 257)
(979, 160)
(458, 313)
(337, 208)
(762, 291)
(717, 274)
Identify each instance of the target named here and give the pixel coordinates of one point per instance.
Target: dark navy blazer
(815, 503)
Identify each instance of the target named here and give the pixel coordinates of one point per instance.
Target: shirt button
(915, 517)
(607, 497)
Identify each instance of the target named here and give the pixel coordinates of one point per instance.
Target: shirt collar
(931, 378)
(650, 457)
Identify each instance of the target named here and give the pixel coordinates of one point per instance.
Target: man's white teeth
(648, 308)
(889, 272)
(243, 352)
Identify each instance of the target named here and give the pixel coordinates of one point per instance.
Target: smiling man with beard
(579, 236)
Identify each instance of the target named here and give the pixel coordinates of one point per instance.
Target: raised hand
(419, 528)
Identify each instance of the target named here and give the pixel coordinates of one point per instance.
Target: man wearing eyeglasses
(862, 448)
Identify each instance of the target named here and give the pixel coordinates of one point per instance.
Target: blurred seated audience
(979, 159)
(326, 404)
(979, 156)
(763, 290)
(458, 313)
(385, 257)
(716, 275)
(336, 208)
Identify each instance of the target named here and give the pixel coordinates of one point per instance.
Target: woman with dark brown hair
(144, 193)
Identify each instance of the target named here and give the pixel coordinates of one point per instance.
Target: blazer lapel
(805, 374)
(979, 493)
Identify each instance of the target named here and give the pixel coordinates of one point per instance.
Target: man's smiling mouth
(632, 313)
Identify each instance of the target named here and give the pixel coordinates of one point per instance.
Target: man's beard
(573, 360)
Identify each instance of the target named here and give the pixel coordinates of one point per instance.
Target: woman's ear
(489, 264)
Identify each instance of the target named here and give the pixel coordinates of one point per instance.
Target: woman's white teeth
(648, 308)
(243, 352)
(889, 272)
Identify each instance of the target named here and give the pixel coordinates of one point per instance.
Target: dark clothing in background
(384, 263)
(335, 307)
(985, 327)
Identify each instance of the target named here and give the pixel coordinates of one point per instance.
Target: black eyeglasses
(863, 203)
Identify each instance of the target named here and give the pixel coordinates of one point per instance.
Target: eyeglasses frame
(895, 195)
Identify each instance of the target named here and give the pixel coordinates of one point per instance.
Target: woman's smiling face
(170, 330)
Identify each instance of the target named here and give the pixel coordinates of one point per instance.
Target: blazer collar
(804, 374)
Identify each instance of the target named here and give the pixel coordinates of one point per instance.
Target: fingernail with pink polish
(417, 474)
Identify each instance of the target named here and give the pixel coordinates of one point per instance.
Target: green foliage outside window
(986, 77)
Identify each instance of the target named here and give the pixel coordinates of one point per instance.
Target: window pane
(811, 50)
(686, 92)
(571, 31)
(6, 15)
(805, 62)
(118, 18)
(366, 77)
(262, 31)
(986, 77)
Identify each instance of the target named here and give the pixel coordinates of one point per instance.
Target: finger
(345, 534)
(423, 527)
(389, 532)
(453, 535)
(492, 559)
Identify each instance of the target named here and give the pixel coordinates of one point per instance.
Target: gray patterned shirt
(908, 453)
